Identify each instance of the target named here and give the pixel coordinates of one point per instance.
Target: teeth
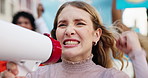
(71, 42)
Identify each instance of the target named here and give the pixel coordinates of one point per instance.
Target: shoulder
(114, 73)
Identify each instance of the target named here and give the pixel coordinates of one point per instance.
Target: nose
(69, 31)
(22, 24)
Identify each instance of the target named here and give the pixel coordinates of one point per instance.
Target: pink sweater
(88, 69)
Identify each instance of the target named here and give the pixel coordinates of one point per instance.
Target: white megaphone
(26, 48)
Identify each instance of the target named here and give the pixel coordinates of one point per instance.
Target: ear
(97, 35)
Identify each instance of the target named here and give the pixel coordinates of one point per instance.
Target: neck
(78, 61)
(78, 66)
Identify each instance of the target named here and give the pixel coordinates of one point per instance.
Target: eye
(60, 25)
(81, 24)
(27, 23)
(19, 23)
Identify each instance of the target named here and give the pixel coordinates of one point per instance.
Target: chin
(69, 54)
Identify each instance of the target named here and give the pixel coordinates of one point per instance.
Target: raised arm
(129, 43)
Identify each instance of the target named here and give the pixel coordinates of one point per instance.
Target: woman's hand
(11, 71)
(128, 42)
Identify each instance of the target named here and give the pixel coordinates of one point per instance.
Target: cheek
(59, 34)
(30, 27)
(86, 33)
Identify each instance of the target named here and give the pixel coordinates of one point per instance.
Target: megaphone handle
(27, 66)
(22, 71)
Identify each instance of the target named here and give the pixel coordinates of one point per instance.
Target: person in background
(88, 47)
(24, 19)
(40, 10)
(120, 28)
(116, 13)
(40, 23)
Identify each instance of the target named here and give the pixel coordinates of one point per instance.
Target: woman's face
(24, 22)
(76, 33)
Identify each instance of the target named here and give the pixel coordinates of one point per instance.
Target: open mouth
(71, 42)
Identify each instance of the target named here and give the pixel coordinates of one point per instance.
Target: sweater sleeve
(139, 62)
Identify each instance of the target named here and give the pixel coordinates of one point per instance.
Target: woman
(40, 22)
(24, 19)
(86, 46)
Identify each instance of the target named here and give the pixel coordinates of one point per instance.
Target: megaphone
(26, 48)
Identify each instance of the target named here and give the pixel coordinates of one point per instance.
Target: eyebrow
(63, 21)
(79, 20)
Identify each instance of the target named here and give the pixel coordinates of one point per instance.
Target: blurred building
(9, 7)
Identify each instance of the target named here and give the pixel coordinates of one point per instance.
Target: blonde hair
(105, 46)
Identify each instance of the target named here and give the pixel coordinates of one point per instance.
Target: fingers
(132, 40)
(123, 41)
(12, 67)
(128, 42)
(122, 44)
(11, 71)
(20, 77)
(7, 74)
